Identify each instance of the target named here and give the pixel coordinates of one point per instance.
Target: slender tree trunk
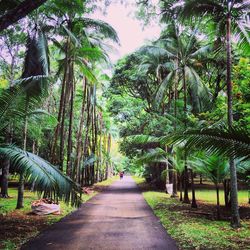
(226, 185)
(167, 172)
(95, 137)
(100, 161)
(193, 204)
(169, 100)
(174, 194)
(71, 117)
(181, 182)
(218, 201)
(65, 102)
(186, 198)
(33, 152)
(79, 134)
(6, 167)
(21, 176)
(175, 103)
(4, 180)
(61, 107)
(108, 153)
(86, 138)
(235, 217)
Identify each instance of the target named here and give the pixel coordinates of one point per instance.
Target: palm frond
(90, 160)
(242, 31)
(213, 167)
(153, 155)
(46, 177)
(35, 67)
(233, 142)
(43, 48)
(100, 26)
(165, 84)
(201, 7)
(72, 36)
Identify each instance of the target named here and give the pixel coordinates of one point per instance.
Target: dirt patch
(18, 227)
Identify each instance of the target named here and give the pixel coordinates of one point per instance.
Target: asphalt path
(116, 219)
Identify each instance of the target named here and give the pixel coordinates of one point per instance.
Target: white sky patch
(131, 33)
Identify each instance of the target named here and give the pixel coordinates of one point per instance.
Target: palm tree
(233, 142)
(223, 14)
(46, 177)
(184, 53)
(36, 68)
(82, 48)
(216, 169)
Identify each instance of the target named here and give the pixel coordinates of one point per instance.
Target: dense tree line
(188, 80)
(52, 64)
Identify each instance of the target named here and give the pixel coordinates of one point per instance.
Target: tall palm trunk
(66, 97)
(62, 133)
(108, 168)
(235, 217)
(99, 169)
(94, 138)
(186, 198)
(85, 172)
(167, 172)
(175, 103)
(61, 107)
(5, 163)
(21, 176)
(175, 194)
(6, 167)
(79, 134)
(193, 203)
(71, 117)
(181, 185)
(226, 185)
(218, 201)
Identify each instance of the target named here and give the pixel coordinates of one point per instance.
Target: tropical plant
(225, 14)
(214, 168)
(34, 169)
(47, 179)
(233, 142)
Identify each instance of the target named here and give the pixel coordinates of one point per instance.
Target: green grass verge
(138, 180)
(196, 233)
(107, 182)
(206, 195)
(8, 206)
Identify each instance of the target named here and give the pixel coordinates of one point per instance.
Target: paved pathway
(117, 219)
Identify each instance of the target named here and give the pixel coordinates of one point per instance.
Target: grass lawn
(107, 182)
(17, 226)
(194, 232)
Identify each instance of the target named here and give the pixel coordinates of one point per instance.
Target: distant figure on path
(121, 175)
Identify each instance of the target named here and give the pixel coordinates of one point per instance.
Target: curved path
(118, 218)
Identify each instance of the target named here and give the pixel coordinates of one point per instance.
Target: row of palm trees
(174, 71)
(81, 141)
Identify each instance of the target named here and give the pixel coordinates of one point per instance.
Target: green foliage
(233, 142)
(195, 232)
(214, 167)
(46, 177)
